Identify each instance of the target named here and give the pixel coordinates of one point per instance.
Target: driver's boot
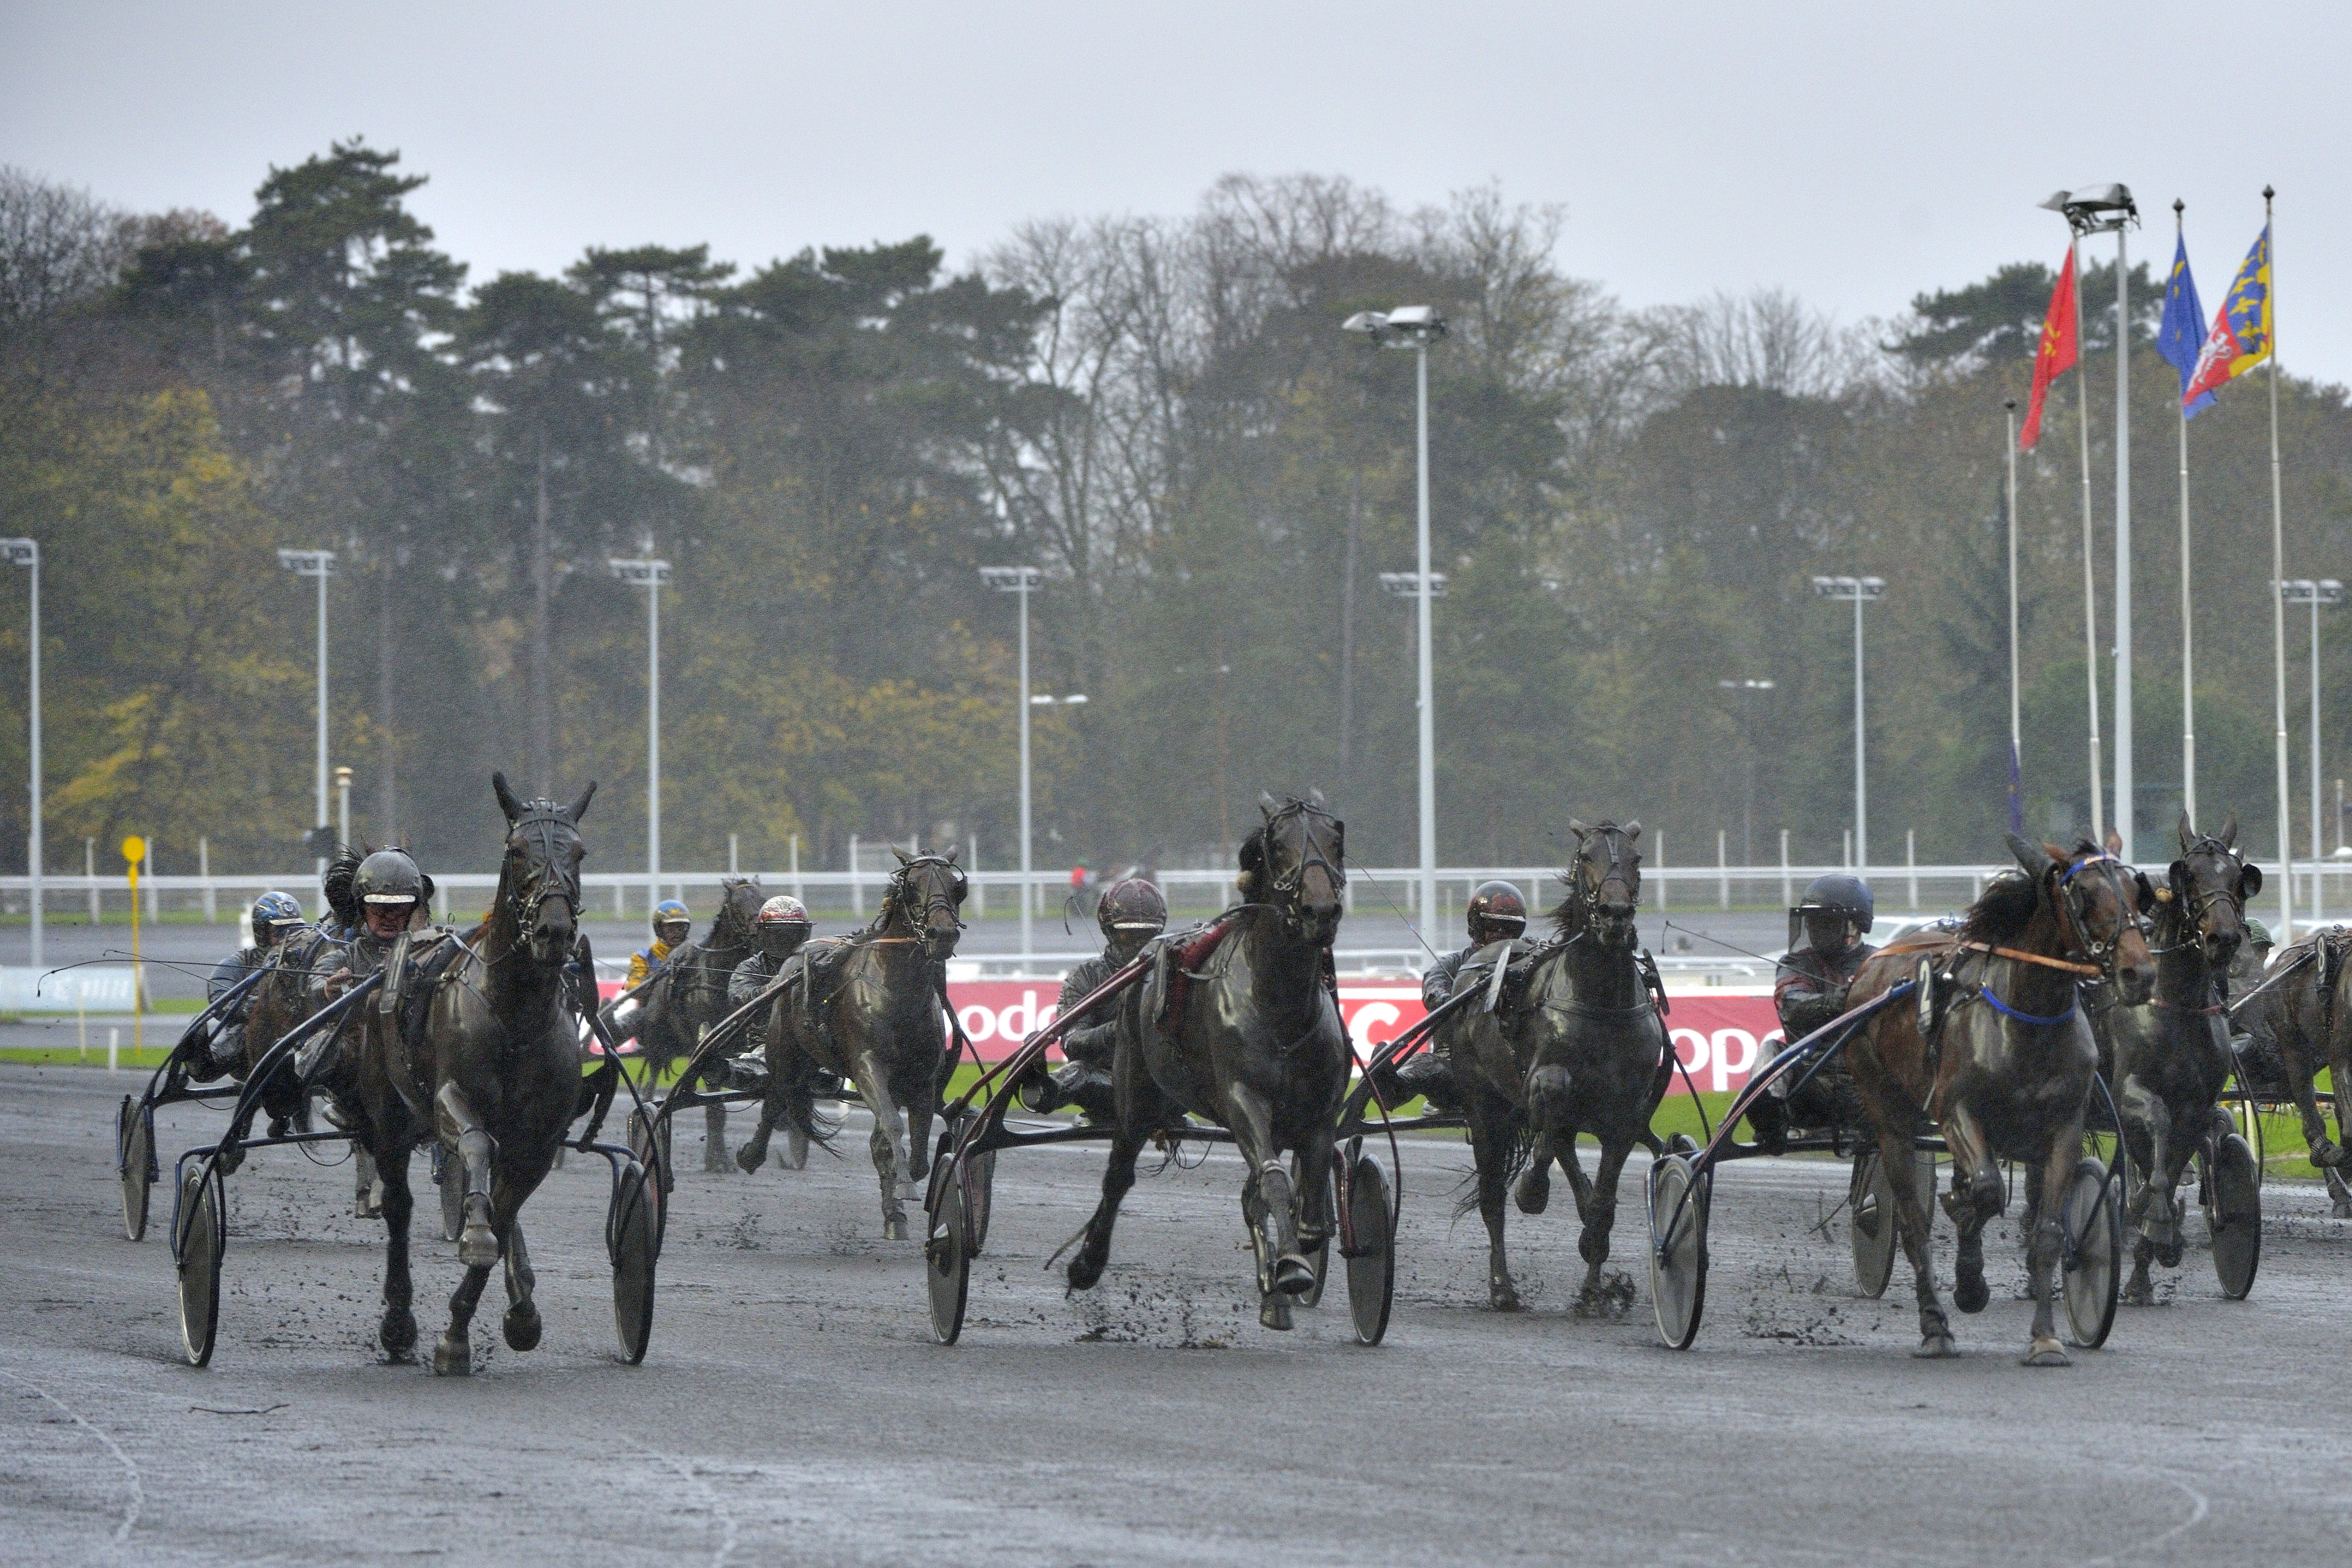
(1768, 1119)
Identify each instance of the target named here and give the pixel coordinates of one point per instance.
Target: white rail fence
(620, 895)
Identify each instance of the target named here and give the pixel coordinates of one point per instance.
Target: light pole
(343, 804)
(320, 564)
(1860, 591)
(1754, 689)
(1416, 327)
(2016, 733)
(2109, 209)
(2304, 591)
(647, 573)
(26, 552)
(1020, 580)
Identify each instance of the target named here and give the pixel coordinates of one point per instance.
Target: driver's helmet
(2258, 934)
(1837, 896)
(388, 877)
(1132, 910)
(672, 922)
(274, 914)
(782, 925)
(1495, 913)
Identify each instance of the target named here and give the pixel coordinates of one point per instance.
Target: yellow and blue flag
(2180, 336)
(2240, 337)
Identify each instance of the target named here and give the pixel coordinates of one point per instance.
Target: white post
(796, 867)
(857, 888)
(1722, 871)
(971, 864)
(320, 869)
(27, 552)
(114, 1038)
(1428, 700)
(1658, 847)
(2278, 606)
(1786, 895)
(2125, 813)
(1848, 852)
(90, 869)
(205, 869)
(1911, 862)
(731, 868)
(2090, 585)
(1028, 894)
(2317, 852)
(147, 875)
(653, 737)
(2188, 638)
(2016, 733)
(1860, 773)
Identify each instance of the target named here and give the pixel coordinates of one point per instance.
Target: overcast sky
(1853, 153)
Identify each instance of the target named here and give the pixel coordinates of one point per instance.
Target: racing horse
(2005, 1065)
(690, 995)
(870, 1010)
(492, 1068)
(1241, 1024)
(1580, 1047)
(2301, 1023)
(2168, 1060)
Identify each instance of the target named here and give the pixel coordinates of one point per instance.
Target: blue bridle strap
(2006, 1011)
(2068, 875)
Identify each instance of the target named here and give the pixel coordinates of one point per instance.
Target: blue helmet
(670, 912)
(274, 913)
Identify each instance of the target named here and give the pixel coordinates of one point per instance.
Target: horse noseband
(528, 901)
(1291, 882)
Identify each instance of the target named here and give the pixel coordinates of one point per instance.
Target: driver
(274, 915)
(672, 922)
(1809, 989)
(1495, 913)
(1131, 913)
(391, 893)
(778, 931)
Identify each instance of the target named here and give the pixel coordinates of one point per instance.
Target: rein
(2042, 959)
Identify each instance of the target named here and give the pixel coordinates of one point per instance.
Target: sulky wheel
(2094, 1244)
(134, 1159)
(449, 1175)
(1873, 1233)
(197, 1244)
(1678, 1206)
(633, 1236)
(1372, 1266)
(978, 1198)
(947, 1257)
(2233, 1213)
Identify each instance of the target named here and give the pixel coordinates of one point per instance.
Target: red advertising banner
(1720, 1035)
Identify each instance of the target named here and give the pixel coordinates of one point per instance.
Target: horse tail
(1519, 1131)
(803, 1118)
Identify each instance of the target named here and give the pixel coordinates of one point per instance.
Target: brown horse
(690, 995)
(2007, 1066)
(2300, 1022)
(870, 1010)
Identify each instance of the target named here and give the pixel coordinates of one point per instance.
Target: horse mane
(2008, 904)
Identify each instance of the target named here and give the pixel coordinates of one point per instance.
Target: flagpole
(2278, 595)
(2090, 582)
(2016, 747)
(2125, 800)
(2188, 615)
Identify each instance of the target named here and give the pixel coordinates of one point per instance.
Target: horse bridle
(919, 918)
(2193, 902)
(2072, 927)
(1587, 899)
(556, 879)
(1290, 883)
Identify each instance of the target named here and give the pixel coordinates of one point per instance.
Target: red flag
(2055, 353)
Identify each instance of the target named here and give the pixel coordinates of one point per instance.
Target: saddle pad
(1180, 961)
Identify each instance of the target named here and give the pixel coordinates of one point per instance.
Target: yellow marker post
(135, 850)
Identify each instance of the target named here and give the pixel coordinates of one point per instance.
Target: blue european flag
(2181, 337)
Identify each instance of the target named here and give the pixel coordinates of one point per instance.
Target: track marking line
(138, 1489)
(2198, 1512)
(715, 1505)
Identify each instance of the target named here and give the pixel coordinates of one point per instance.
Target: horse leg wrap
(477, 1244)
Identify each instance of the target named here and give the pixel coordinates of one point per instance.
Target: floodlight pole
(320, 564)
(1020, 580)
(2304, 591)
(2016, 732)
(647, 573)
(1860, 591)
(27, 552)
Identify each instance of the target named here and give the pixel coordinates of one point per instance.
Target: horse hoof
(1503, 1297)
(1969, 1292)
(2344, 1208)
(1274, 1312)
(478, 1246)
(795, 1155)
(894, 1228)
(1293, 1276)
(1534, 1194)
(2139, 1293)
(2047, 1353)
(715, 1162)
(522, 1327)
(398, 1334)
(2169, 1254)
(1083, 1273)
(748, 1159)
(1936, 1347)
(453, 1356)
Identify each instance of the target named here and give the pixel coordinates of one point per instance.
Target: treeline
(1163, 415)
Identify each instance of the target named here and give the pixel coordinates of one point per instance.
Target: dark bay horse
(2007, 1070)
(2168, 1059)
(2301, 1022)
(1255, 1043)
(690, 995)
(1579, 1047)
(493, 1071)
(870, 1010)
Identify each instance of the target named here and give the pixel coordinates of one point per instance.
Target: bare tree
(58, 243)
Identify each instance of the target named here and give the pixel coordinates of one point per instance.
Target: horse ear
(2229, 833)
(2148, 900)
(506, 801)
(1578, 828)
(953, 850)
(2032, 856)
(579, 808)
(2188, 834)
(2249, 882)
(1315, 798)
(1267, 805)
(1633, 828)
(904, 858)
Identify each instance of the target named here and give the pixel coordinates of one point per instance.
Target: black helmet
(1495, 913)
(1131, 908)
(1840, 896)
(388, 877)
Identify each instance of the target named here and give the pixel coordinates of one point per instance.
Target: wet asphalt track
(794, 1408)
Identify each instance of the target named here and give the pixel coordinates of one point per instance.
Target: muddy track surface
(794, 1408)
